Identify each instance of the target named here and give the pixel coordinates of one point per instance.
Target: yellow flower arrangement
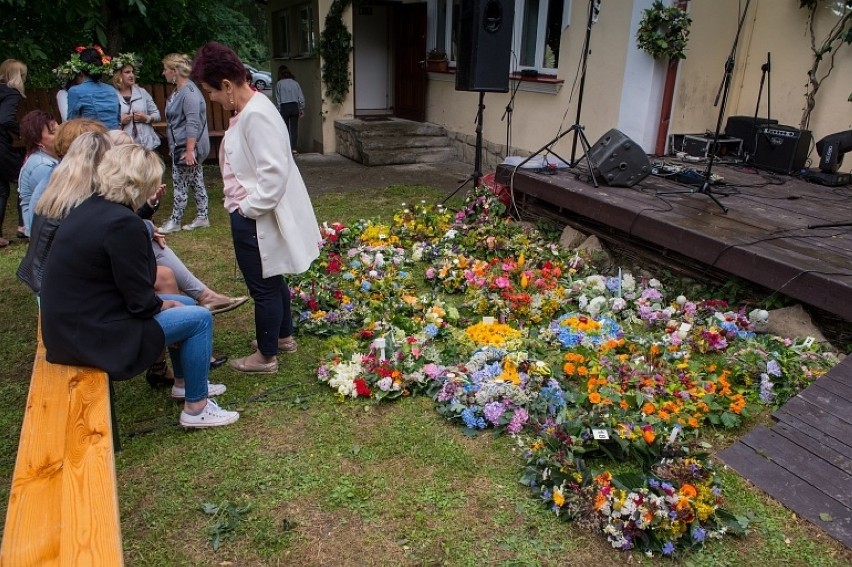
(378, 235)
(494, 334)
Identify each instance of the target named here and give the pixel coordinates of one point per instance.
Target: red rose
(361, 388)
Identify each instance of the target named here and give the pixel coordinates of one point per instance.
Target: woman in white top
(273, 225)
(138, 109)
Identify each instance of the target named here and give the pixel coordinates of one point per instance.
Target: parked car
(261, 80)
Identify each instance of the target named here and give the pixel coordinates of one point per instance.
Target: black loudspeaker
(618, 160)
(485, 45)
(782, 149)
(745, 128)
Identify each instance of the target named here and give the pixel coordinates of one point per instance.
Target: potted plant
(436, 60)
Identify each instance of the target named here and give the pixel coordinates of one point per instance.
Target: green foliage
(664, 32)
(335, 45)
(43, 33)
(824, 48)
(225, 518)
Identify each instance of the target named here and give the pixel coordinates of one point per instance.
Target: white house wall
(770, 26)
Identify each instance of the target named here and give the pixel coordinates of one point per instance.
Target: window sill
(546, 84)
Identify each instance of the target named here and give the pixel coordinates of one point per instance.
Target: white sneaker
(179, 393)
(211, 416)
(197, 223)
(169, 226)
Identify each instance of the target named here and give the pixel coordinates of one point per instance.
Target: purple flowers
(493, 411)
(519, 419)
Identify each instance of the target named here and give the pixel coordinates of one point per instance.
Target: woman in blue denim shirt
(91, 98)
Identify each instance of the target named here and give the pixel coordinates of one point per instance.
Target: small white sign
(600, 434)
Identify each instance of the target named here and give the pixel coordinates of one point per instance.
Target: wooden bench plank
(844, 447)
(806, 411)
(63, 505)
(816, 443)
(822, 475)
(791, 491)
(834, 388)
(828, 402)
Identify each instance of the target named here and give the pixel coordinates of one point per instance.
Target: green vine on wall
(335, 45)
(663, 32)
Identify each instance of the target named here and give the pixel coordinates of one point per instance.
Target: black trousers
(290, 113)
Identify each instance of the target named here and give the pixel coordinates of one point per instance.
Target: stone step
(401, 142)
(410, 155)
(389, 127)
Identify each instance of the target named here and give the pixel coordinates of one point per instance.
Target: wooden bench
(218, 118)
(63, 506)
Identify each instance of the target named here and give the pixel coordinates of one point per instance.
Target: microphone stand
(507, 115)
(724, 88)
(766, 70)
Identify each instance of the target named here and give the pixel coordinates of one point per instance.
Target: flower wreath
(122, 60)
(663, 32)
(74, 66)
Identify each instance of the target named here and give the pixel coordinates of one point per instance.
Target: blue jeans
(189, 336)
(272, 315)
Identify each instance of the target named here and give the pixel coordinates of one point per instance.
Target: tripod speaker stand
(577, 129)
(707, 186)
(476, 176)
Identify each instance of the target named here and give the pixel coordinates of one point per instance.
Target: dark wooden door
(409, 61)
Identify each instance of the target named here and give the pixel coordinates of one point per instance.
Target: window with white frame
(281, 43)
(306, 35)
(536, 36)
(538, 32)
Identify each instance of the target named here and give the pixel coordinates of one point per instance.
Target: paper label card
(600, 434)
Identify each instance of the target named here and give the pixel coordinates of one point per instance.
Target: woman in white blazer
(273, 225)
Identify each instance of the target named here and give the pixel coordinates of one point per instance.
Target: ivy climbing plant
(335, 45)
(664, 31)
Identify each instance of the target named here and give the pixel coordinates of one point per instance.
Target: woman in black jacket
(98, 304)
(13, 73)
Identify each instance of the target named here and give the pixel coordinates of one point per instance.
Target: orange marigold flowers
(648, 435)
(688, 491)
(558, 497)
(648, 408)
(594, 398)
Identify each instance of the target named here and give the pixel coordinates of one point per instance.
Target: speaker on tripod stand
(482, 63)
(485, 45)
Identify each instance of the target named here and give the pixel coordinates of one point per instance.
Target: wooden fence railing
(217, 117)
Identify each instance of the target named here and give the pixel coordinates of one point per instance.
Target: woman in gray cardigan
(186, 116)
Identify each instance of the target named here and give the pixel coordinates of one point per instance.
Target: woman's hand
(126, 118)
(170, 303)
(140, 117)
(154, 199)
(189, 158)
(159, 238)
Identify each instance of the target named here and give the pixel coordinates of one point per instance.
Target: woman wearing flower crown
(138, 110)
(91, 98)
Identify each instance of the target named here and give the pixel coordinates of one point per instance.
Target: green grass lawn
(333, 483)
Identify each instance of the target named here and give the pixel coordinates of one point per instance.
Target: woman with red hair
(38, 129)
(273, 225)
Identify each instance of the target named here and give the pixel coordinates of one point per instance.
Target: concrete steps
(392, 141)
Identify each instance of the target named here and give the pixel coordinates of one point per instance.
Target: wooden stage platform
(764, 238)
(805, 459)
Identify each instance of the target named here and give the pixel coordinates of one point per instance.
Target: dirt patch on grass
(335, 537)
